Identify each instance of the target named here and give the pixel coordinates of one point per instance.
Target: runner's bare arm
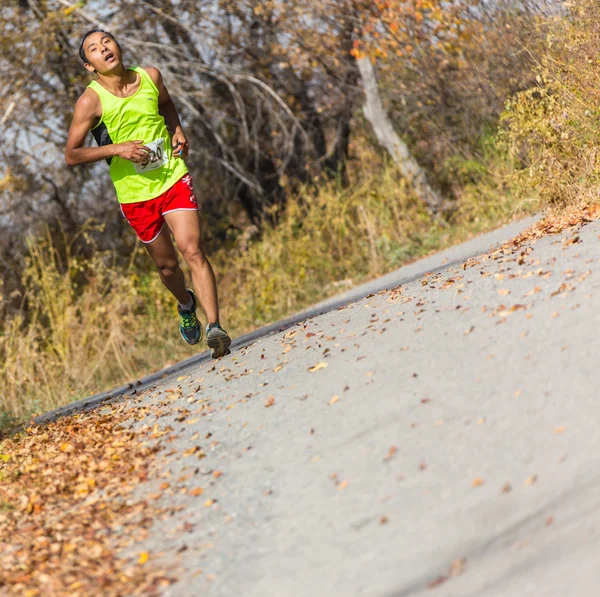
(167, 109)
(88, 111)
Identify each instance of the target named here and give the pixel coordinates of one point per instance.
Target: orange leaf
(391, 452)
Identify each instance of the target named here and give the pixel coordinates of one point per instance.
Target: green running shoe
(218, 340)
(189, 326)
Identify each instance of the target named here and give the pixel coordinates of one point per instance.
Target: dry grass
(87, 325)
(551, 129)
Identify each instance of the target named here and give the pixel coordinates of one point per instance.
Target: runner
(138, 132)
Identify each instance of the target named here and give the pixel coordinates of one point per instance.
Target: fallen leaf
(477, 482)
(503, 291)
(335, 399)
(270, 401)
(391, 452)
(530, 480)
(143, 557)
(506, 488)
(533, 291)
(208, 503)
(564, 287)
(342, 485)
(560, 429)
(440, 579)
(457, 567)
(318, 367)
(196, 492)
(517, 307)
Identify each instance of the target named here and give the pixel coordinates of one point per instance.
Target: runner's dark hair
(87, 34)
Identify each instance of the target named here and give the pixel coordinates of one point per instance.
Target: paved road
(440, 438)
(436, 262)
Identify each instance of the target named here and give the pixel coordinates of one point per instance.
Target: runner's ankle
(189, 305)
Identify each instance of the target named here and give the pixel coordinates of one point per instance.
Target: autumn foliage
(297, 196)
(92, 463)
(551, 128)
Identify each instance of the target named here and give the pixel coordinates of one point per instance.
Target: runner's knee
(192, 253)
(168, 267)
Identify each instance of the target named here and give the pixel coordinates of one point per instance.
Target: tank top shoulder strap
(98, 89)
(104, 99)
(145, 77)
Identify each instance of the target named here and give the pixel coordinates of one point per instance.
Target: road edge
(440, 261)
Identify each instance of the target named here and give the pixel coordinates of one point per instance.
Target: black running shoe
(189, 326)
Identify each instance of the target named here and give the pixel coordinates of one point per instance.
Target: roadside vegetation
(300, 199)
(91, 323)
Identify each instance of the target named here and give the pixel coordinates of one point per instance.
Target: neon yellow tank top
(137, 117)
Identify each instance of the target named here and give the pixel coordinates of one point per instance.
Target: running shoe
(218, 340)
(189, 326)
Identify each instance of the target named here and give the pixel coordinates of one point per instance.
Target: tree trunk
(382, 126)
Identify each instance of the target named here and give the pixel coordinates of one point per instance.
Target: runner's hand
(134, 151)
(180, 145)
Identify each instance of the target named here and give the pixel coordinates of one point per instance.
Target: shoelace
(188, 320)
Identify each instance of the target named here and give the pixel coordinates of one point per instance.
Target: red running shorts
(147, 217)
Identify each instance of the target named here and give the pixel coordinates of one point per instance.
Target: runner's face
(102, 52)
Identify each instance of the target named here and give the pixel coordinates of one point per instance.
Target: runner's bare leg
(164, 256)
(185, 225)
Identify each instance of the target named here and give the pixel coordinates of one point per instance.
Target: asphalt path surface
(436, 438)
(435, 262)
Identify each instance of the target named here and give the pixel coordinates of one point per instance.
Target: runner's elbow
(71, 161)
